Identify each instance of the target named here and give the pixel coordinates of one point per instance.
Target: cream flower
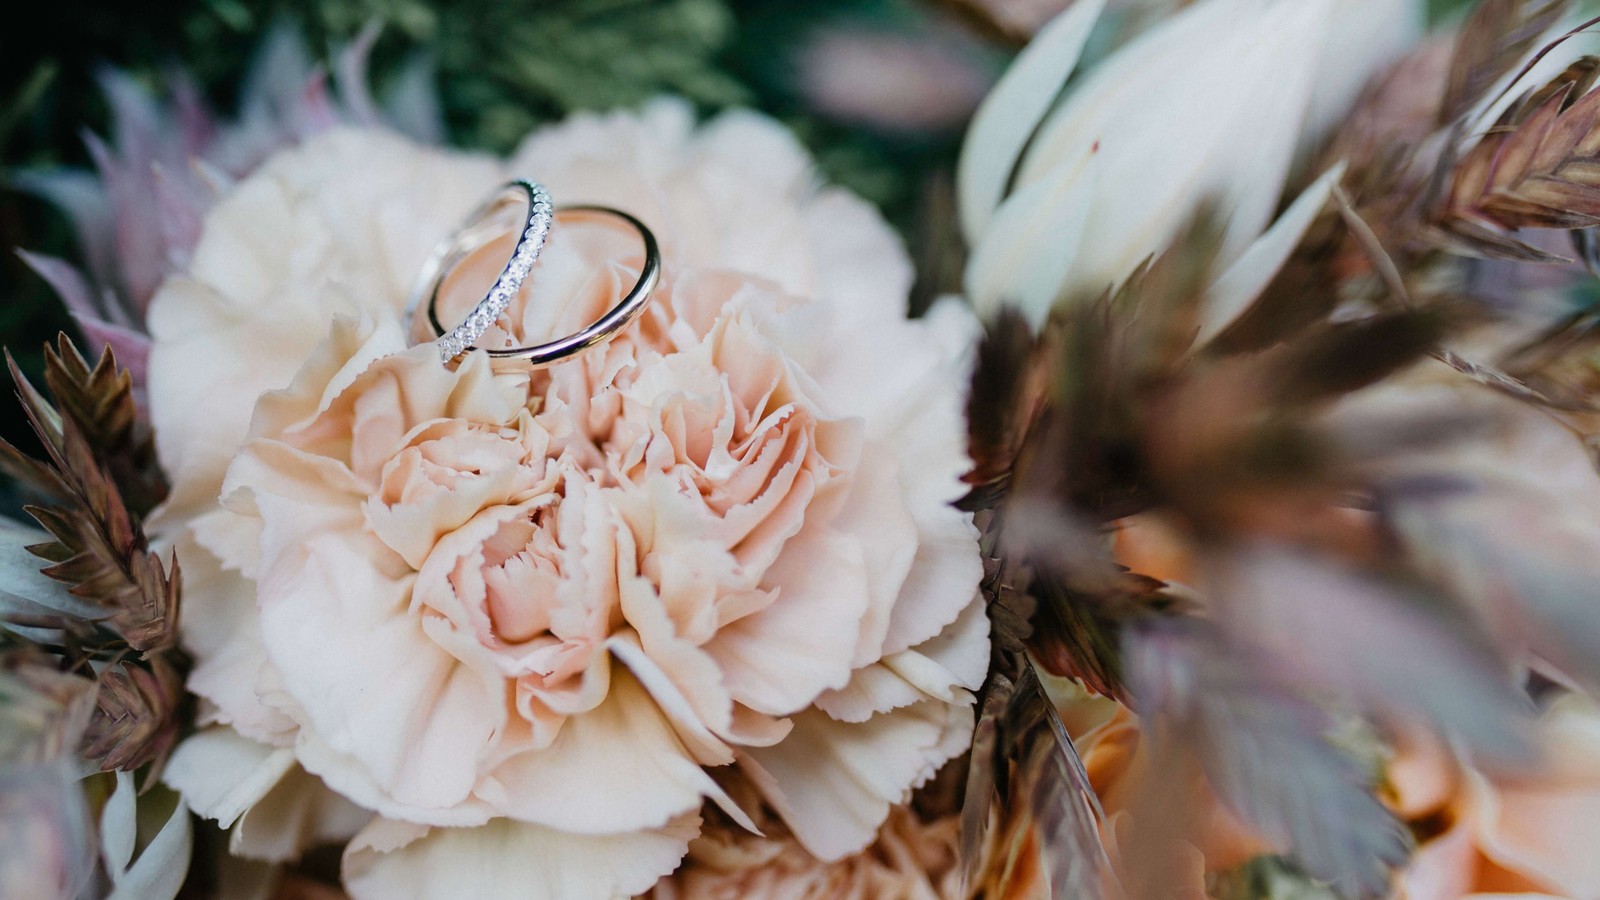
(519, 618)
(1531, 836)
(1118, 759)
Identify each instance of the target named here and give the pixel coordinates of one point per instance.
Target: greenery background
(503, 67)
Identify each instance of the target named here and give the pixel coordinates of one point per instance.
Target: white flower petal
(119, 825)
(510, 859)
(1363, 38)
(1026, 253)
(298, 813)
(1243, 282)
(833, 782)
(1223, 131)
(648, 780)
(1008, 116)
(161, 867)
(222, 773)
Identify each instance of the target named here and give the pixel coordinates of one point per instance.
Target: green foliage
(505, 67)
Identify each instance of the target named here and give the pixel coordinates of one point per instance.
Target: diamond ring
(487, 224)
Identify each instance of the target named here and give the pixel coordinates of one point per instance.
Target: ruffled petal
(505, 858)
(648, 779)
(834, 782)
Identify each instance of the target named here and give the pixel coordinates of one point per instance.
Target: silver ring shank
(607, 326)
(547, 354)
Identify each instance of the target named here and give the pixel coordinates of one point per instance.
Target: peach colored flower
(1117, 757)
(514, 620)
(1530, 835)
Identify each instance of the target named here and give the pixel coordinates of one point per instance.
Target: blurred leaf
(1346, 357)
(1496, 37)
(1509, 552)
(1392, 646)
(1264, 750)
(1025, 769)
(1562, 363)
(47, 838)
(43, 712)
(1268, 878)
(1001, 406)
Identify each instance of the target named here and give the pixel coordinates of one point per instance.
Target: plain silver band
(600, 331)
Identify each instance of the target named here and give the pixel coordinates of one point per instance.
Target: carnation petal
(648, 779)
(942, 668)
(778, 659)
(222, 773)
(371, 682)
(834, 782)
(504, 858)
(299, 812)
(222, 632)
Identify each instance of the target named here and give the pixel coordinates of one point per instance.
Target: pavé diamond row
(530, 243)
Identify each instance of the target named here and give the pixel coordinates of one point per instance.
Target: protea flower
(1209, 106)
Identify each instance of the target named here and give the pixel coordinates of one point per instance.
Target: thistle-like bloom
(138, 214)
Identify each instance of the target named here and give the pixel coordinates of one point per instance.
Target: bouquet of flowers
(597, 520)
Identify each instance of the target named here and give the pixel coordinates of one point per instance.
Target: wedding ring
(479, 230)
(484, 225)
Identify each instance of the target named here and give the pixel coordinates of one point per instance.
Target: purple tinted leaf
(277, 74)
(1265, 751)
(1531, 568)
(316, 112)
(411, 102)
(181, 204)
(1389, 646)
(138, 127)
(83, 199)
(68, 283)
(46, 837)
(350, 76)
(138, 251)
(196, 124)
